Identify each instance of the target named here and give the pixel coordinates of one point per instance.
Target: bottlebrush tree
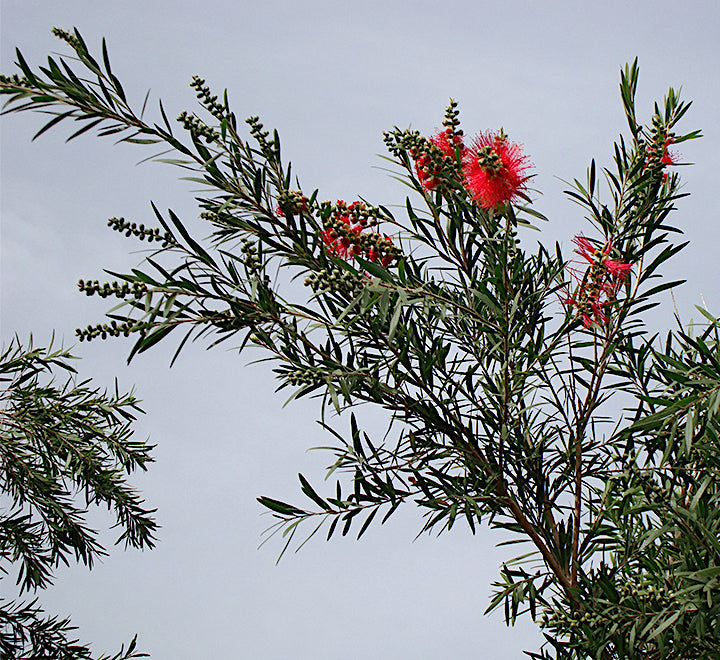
(523, 389)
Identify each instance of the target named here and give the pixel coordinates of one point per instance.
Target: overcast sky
(331, 76)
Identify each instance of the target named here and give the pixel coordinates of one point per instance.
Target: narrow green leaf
(279, 507)
(55, 120)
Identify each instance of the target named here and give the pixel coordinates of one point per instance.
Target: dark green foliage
(495, 368)
(64, 447)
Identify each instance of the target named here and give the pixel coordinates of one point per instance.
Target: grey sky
(331, 76)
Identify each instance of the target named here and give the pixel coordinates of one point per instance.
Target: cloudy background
(331, 76)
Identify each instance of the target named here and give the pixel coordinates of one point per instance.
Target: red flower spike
(669, 157)
(494, 169)
(585, 248)
(446, 142)
(617, 269)
(430, 177)
(341, 244)
(661, 156)
(598, 285)
(344, 237)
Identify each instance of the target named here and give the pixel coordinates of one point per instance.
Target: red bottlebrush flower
(341, 245)
(598, 285)
(376, 253)
(427, 176)
(617, 269)
(585, 248)
(429, 170)
(494, 169)
(342, 238)
(668, 157)
(661, 156)
(446, 142)
(344, 235)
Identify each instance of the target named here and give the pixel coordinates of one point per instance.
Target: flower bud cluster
(598, 286)
(654, 492)
(489, 159)
(293, 201)
(644, 594)
(335, 280)
(141, 231)
(197, 127)
(451, 122)
(14, 80)
(398, 142)
(217, 213)
(227, 320)
(632, 597)
(657, 153)
(306, 376)
(436, 165)
(435, 159)
(207, 99)
(68, 38)
(344, 234)
(212, 216)
(250, 253)
(117, 289)
(257, 130)
(104, 330)
(565, 621)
